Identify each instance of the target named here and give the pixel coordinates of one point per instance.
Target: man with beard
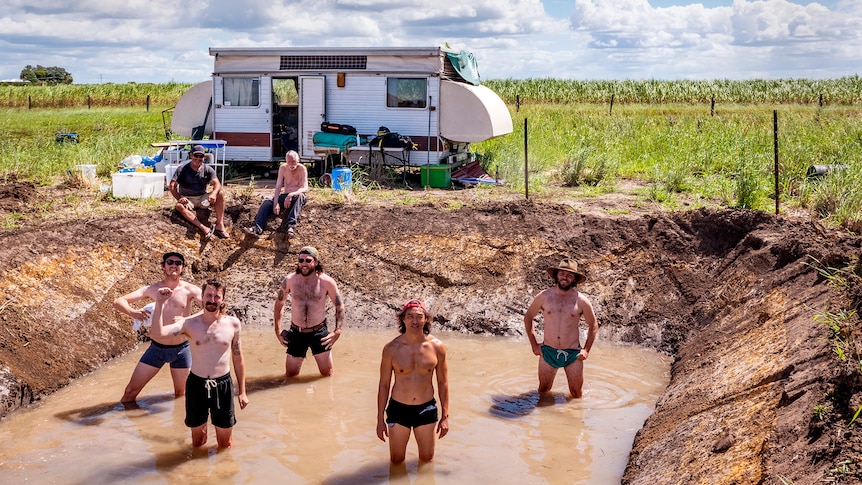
(562, 307)
(308, 287)
(173, 350)
(209, 390)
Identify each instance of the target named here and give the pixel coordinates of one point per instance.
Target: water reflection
(314, 429)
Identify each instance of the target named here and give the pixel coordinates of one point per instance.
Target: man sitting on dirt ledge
(562, 307)
(293, 178)
(189, 187)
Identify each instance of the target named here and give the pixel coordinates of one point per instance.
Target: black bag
(337, 128)
(392, 140)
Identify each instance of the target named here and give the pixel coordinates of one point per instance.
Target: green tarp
(465, 64)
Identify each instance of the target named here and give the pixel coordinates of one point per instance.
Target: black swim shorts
(411, 415)
(298, 342)
(205, 396)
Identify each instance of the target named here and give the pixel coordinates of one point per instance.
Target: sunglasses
(197, 155)
(306, 260)
(174, 262)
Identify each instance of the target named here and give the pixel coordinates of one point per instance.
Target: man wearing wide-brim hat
(562, 307)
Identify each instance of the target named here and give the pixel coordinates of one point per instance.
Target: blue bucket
(342, 179)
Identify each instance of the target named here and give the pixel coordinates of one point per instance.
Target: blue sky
(168, 40)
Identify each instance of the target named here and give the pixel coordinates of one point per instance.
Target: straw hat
(568, 265)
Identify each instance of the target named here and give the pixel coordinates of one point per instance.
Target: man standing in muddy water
(173, 350)
(562, 308)
(308, 287)
(216, 343)
(414, 357)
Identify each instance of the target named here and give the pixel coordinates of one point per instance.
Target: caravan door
(242, 116)
(312, 111)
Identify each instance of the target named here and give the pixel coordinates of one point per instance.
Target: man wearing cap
(293, 182)
(189, 187)
(309, 288)
(413, 357)
(173, 350)
(562, 308)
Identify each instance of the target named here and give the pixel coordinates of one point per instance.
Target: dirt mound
(733, 295)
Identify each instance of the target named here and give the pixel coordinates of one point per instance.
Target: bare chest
(215, 336)
(562, 307)
(311, 290)
(421, 359)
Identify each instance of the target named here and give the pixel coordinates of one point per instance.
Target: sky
(119, 41)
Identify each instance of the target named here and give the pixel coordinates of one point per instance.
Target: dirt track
(731, 294)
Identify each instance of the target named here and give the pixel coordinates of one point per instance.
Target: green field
(707, 140)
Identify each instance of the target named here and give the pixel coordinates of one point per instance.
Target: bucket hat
(570, 265)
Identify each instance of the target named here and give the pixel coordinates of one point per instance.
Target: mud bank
(732, 295)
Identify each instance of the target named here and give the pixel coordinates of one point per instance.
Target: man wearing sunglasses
(189, 186)
(173, 350)
(309, 288)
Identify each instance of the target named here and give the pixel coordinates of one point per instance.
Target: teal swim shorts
(559, 358)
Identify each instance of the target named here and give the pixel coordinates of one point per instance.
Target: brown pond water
(322, 430)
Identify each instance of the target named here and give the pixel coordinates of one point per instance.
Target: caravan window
(404, 92)
(241, 91)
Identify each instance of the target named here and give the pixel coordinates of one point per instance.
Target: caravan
(340, 102)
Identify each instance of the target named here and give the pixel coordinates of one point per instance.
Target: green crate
(436, 175)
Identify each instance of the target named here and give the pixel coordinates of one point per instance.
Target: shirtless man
(173, 350)
(209, 389)
(308, 287)
(562, 307)
(414, 357)
(293, 178)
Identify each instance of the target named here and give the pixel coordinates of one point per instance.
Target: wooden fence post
(712, 106)
(775, 144)
(526, 164)
(611, 110)
(148, 103)
(517, 103)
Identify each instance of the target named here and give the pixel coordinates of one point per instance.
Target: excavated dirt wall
(732, 295)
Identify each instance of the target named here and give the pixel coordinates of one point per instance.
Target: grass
(682, 150)
(666, 134)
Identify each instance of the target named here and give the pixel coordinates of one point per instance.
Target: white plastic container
(88, 173)
(169, 171)
(138, 185)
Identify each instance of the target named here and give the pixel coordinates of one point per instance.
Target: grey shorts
(178, 356)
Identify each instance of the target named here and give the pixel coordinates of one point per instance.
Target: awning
(472, 113)
(191, 110)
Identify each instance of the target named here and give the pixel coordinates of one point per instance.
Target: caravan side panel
(362, 104)
(246, 129)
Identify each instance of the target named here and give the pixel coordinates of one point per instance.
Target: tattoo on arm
(280, 295)
(236, 347)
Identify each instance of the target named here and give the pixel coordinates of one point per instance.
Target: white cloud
(162, 40)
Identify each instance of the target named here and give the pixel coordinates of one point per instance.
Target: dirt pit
(757, 393)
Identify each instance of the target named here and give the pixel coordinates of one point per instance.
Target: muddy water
(321, 430)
